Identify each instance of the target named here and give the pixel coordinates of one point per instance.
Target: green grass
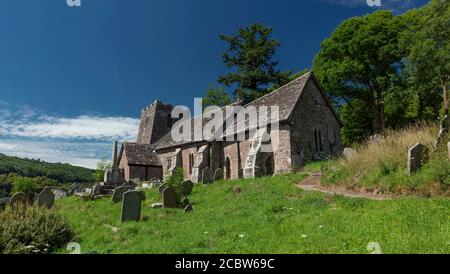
(271, 215)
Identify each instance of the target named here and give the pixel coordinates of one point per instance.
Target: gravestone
(59, 193)
(448, 147)
(118, 194)
(186, 187)
(207, 176)
(46, 198)
(349, 153)
(162, 187)
(417, 156)
(131, 206)
(218, 174)
(169, 198)
(19, 199)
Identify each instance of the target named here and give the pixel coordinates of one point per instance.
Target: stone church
(309, 129)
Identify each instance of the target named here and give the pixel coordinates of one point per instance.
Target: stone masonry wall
(312, 114)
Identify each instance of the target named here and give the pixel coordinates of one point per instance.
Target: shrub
(25, 185)
(32, 230)
(175, 181)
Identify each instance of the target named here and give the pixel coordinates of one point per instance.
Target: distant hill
(63, 173)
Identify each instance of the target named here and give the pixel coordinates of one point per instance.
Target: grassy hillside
(381, 167)
(271, 215)
(63, 173)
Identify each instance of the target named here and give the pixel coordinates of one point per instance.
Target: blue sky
(72, 79)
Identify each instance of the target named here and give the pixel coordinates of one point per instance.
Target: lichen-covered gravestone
(131, 206)
(207, 176)
(169, 198)
(46, 198)
(349, 153)
(218, 174)
(19, 199)
(417, 156)
(118, 194)
(186, 187)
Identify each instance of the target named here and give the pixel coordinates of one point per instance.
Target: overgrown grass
(270, 215)
(382, 167)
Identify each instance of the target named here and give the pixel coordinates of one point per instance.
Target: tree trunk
(378, 112)
(445, 121)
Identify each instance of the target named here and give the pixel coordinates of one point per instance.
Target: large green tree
(251, 54)
(360, 61)
(427, 39)
(216, 96)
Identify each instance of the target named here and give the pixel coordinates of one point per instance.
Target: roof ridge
(282, 87)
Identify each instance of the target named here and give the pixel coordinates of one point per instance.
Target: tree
(428, 42)
(360, 60)
(251, 52)
(99, 173)
(216, 96)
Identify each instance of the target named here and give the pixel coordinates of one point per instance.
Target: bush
(175, 181)
(25, 185)
(32, 230)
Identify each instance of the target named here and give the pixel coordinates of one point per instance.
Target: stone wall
(156, 121)
(313, 120)
(282, 154)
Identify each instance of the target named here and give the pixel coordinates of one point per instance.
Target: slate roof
(285, 97)
(140, 154)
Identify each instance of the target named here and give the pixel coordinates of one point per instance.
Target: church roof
(140, 154)
(285, 98)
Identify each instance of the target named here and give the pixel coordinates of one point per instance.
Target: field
(270, 215)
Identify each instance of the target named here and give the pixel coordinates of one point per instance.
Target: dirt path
(312, 183)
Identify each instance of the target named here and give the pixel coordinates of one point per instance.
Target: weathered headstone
(417, 156)
(448, 147)
(46, 198)
(218, 174)
(186, 187)
(118, 194)
(19, 199)
(162, 187)
(59, 193)
(131, 206)
(169, 198)
(207, 176)
(349, 153)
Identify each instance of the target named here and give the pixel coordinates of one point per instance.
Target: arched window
(318, 140)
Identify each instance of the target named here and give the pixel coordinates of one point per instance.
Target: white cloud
(397, 6)
(81, 127)
(85, 154)
(23, 121)
(82, 140)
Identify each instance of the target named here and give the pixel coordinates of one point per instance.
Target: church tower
(156, 121)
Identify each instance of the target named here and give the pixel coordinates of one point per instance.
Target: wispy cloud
(397, 6)
(81, 140)
(23, 121)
